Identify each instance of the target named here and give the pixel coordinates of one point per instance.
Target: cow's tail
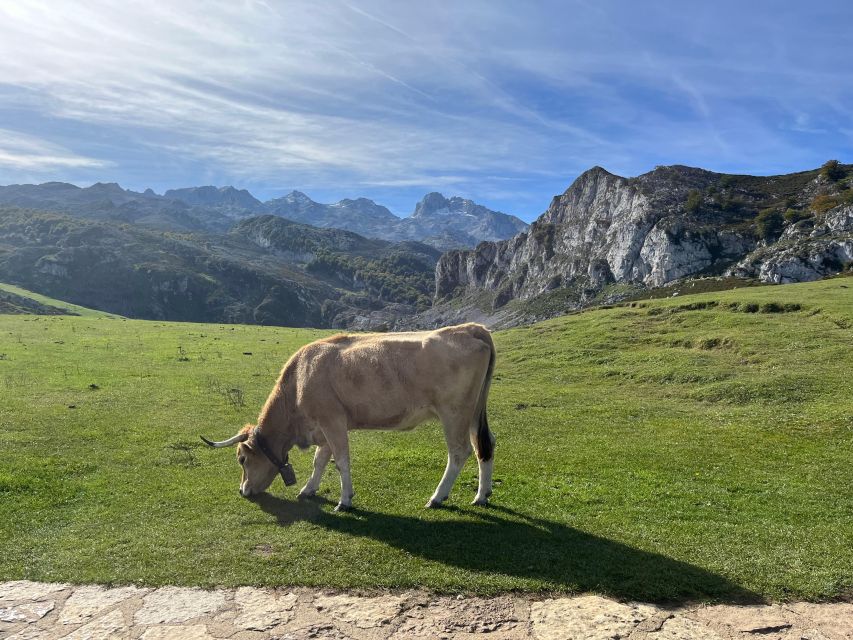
(484, 441)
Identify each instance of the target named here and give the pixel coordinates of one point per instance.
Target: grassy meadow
(692, 448)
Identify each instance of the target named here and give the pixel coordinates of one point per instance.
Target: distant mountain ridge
(444, 223)
(216, 197)
(363, 216)
(438, 221)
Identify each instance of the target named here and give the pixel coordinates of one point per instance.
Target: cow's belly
(364, 417)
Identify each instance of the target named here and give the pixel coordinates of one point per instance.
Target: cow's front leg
(339, 444)
(321, 459)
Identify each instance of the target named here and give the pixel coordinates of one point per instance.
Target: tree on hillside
(832, 170)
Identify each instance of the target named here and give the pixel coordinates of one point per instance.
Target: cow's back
(394, 380)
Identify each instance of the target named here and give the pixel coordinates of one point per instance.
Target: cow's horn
(240, 437)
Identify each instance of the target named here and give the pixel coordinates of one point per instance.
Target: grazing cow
(373, 381)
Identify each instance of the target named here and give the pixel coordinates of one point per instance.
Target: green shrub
(694, 201)
(769, 224)
(793, 216)
(728, 203)
(823, 203)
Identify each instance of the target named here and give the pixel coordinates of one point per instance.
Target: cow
(390, 381)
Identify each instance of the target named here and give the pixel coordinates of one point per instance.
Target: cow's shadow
(501, 541)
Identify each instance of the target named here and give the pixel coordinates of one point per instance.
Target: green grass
(674, 450)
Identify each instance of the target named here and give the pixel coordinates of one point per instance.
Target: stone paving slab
(38, 611)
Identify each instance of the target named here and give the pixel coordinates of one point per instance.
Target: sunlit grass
(667, 451)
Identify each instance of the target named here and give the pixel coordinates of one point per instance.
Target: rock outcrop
(668, 224)
(807, 250)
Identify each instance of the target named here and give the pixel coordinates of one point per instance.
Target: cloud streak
(392, 98)
(26, 153)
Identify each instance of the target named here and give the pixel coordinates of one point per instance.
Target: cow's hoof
(480, 502)
(306, 495)
(433, 504)
(343, 507)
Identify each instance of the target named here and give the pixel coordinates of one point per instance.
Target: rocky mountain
(808, 250)
(227, 198)
(454, 222)
(109, 202)
(362, 216)
(606, 233)
(440, 222)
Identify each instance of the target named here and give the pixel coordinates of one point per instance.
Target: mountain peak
(58, 185)
(297, 196)
(210, 195)
(106, 186)
(594, 173)
(431, 204)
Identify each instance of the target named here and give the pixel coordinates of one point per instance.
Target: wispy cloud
(393, 97)
(26, 153)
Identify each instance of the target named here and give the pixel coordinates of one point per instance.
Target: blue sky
(502, 102)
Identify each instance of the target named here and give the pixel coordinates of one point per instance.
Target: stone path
(30, 610)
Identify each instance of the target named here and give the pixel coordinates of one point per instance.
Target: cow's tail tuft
(484, 443)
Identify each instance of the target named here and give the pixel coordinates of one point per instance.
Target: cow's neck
(273, 423)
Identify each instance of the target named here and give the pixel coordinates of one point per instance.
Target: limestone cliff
(807, 250)
(671, 223)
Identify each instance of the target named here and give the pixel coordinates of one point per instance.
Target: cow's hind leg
(484, 489)
(321, 459)
(458, 451)
(484, 443)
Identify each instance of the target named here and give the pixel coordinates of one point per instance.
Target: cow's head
(258, 462)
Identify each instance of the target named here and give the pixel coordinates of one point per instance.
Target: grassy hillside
(34, 302)
(695, 447)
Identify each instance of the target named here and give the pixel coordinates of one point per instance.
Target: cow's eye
(241, 459)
